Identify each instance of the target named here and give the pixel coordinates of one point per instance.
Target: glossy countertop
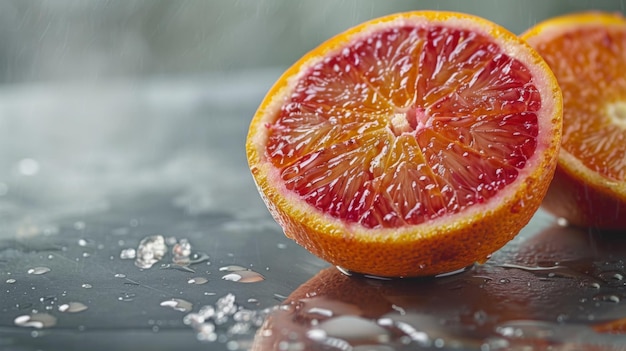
(89, 171)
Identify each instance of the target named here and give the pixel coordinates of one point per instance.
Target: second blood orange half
(587, 53)
(411, 145)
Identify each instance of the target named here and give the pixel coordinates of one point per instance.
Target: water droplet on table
(244, 277)
(36, 320)
(199, 257)
(10, 281)
(181, 252)
(128, 254)
(151, 249)
(590, 284)
(607, 298)
(38, 270)
(86, 286)
(197, 281)
(613, 278)
(120, 275)
(178, 305)
(241, 274)
(349, 329)
(72, 307)
(232, 268)
(126, 297)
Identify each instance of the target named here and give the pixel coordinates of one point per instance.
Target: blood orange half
(410, 145)
(590, 182)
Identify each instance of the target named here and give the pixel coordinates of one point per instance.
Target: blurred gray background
(61, 40)
(103, 99)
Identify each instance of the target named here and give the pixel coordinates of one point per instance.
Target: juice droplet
(38, 270)
(72, 307)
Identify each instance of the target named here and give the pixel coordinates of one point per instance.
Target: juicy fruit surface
(594, 94)
(405, 125)
(410, 145)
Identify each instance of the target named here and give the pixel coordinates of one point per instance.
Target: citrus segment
(593, 155)
(404, 132)
(332, 140)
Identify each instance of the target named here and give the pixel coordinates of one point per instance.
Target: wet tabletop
(130, 221)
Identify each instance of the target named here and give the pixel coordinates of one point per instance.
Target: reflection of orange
(411, 145)
(612, 327)
(546, 305)
(463, 309)
(587, 54)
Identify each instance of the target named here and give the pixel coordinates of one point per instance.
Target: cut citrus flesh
(412, 144)
(590, 186)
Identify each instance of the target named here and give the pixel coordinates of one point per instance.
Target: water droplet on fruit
(38, 270)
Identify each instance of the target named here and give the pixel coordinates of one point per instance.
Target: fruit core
(414, 118)
(406, 125)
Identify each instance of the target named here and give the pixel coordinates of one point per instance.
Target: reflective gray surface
(161, 157)
(166, 157)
